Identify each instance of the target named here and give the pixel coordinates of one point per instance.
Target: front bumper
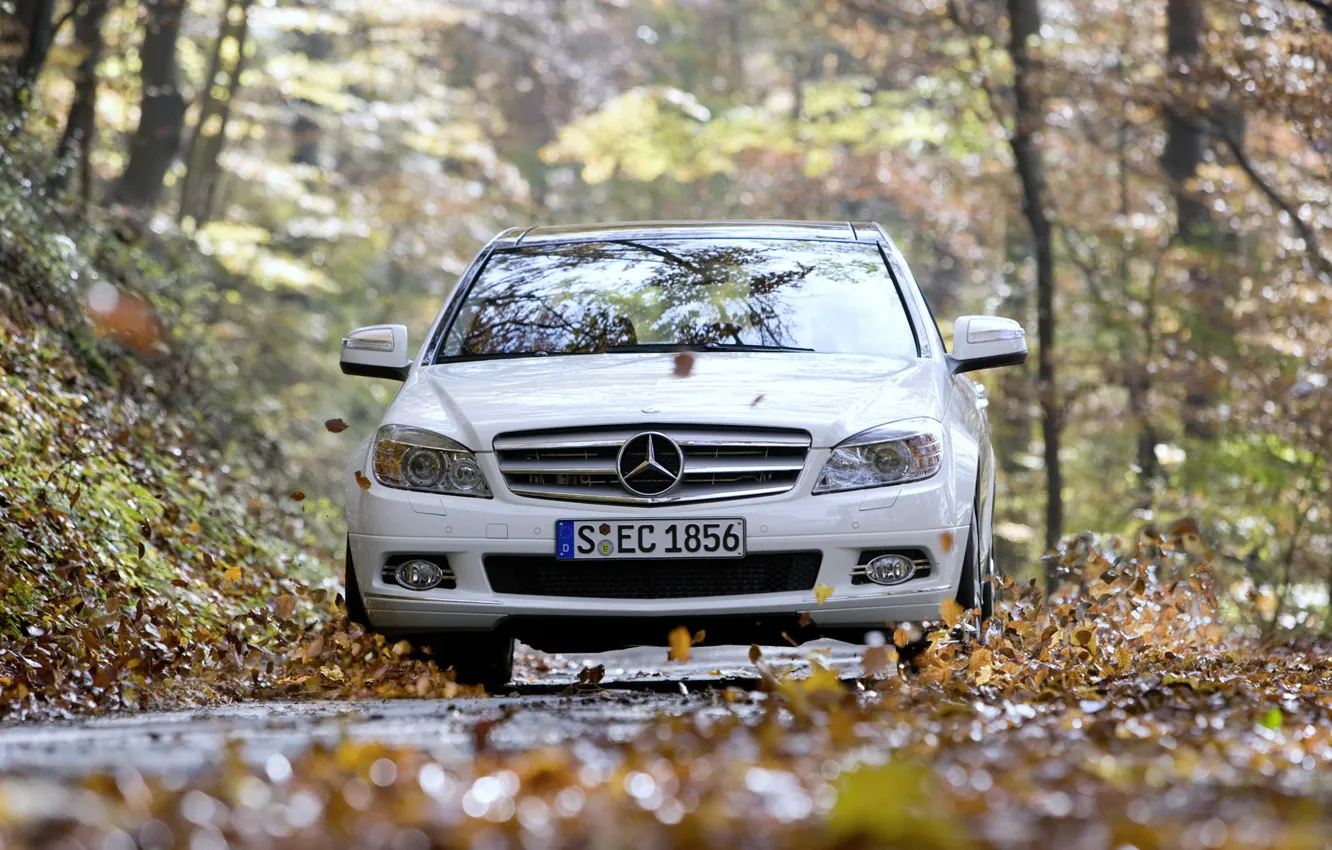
(926, 516)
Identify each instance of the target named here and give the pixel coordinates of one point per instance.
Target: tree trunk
(156, 140)
(33, 29)
(1185, 144)
(1025, 24)
(307, 129)
(81, 123)
(210, 133)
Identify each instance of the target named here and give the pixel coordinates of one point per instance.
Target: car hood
(832, 396)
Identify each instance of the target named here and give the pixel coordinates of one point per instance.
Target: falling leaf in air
(754, 653)
(684, 364)
(314, 649)
(362, 481)
(233, 574)
(877, 659)
(952, 612)
(822, 592)
(335, 426)
(946, 541)
(298, 496)
(285, 606)
(699, 636)
(756, 400)
(805, 619)
(1272, 719)
(901, 637)
(680, 640)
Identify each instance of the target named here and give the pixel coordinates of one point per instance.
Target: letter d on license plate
(590, 540)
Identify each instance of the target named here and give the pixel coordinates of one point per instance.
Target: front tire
(974, 590)
(476, 658)
(351, 593)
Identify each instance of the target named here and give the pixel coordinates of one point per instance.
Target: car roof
(842, 231)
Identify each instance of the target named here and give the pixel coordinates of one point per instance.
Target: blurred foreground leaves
(1110, 716)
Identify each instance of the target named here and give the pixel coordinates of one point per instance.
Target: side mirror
(379, 351)
(985, 342)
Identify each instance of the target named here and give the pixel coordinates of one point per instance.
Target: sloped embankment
(143, 559)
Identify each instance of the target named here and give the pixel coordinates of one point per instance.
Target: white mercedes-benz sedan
(611, 431)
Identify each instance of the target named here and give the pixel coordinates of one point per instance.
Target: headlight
(899, 453)
(416, 459)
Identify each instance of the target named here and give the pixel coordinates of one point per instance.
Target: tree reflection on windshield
(586, 298)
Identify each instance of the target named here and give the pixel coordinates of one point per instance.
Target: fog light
(890, 569)
(418, 574)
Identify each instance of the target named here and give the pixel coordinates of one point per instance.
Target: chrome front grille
(719, 463)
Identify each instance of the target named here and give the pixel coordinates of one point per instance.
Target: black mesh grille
(765, 572)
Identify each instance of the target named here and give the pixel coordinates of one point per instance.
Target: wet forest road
(543, 707)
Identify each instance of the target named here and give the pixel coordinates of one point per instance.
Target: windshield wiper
(699, 346)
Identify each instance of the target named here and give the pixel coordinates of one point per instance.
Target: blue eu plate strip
(564, 540)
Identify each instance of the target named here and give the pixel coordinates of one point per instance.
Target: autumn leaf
(335, 426)
(232, 574)
(877, 659)
(757, 399)
(684, 364)
(946, 541)
(285, 606)
(362, 481)
(298, 496)
(805, 619)
(822, 592)
(901, 637)
(699, 636)
(680, 641)
(952, 613)
(755, 653)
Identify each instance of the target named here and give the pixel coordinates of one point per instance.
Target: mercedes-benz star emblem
(649, 464)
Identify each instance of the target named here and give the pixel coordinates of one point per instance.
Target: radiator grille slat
(719, 463)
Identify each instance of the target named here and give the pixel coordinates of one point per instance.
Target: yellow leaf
(952, 612)
(680, 640)
(822, 592)
(233, 574)
(901, 637)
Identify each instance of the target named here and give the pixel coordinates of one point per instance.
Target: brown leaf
(362, 481)
(592, 675)
(680, 641)
(756, 400)
(335, 426)
(901, 637)
(877, 659)
(952, 612)
(699, 636)
(684, 364)
(285, 606)
(755, 653)
(314, 649)
(805, 619)
(298, 496)
(946, 541)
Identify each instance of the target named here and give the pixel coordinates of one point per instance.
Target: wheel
(351, 592)
(973, 589)
(476, 658)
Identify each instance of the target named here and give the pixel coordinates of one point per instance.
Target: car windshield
(746, 294)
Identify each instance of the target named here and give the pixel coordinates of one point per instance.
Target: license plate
(587, 540)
